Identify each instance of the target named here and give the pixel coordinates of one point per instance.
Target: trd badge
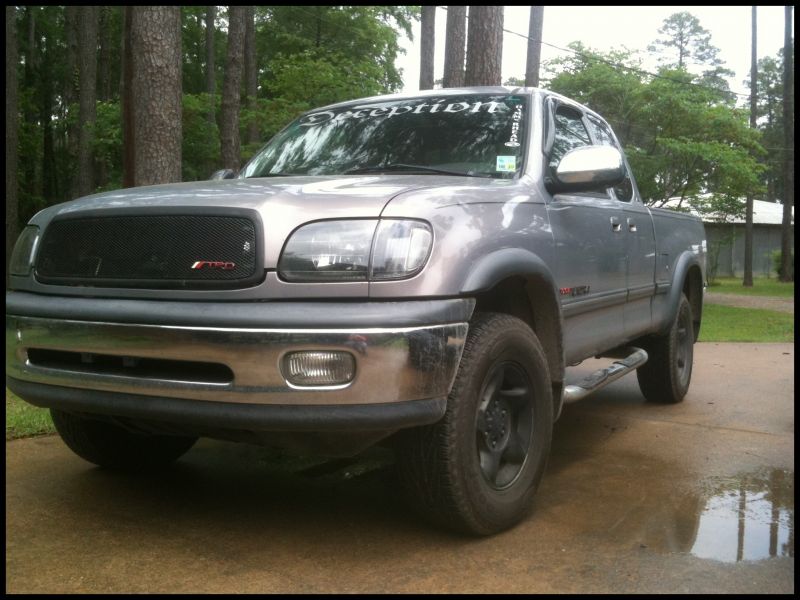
(214, 264)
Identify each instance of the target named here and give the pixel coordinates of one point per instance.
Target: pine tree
(484, 46)
(157, 87)
(427, 42)
(455, 46)
(231, 89)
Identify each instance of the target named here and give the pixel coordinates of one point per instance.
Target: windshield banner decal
(366, 111)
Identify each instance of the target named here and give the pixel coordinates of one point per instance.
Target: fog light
(318, 368)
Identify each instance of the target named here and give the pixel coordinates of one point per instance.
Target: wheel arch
(517, 282)
(688, 280)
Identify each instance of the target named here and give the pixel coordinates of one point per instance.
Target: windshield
(480, 135)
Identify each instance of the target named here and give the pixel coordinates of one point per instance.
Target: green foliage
(769, 115)
(776, 257)
(683, 139)
(25, 420)
(193, 45)
(201, 145)
(319, 80)
(361, 36)
(307, 56)
(107, 141)
(271, 116)
(510, 82)
(686, 40)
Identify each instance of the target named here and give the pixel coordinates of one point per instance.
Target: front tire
(477, 469)
(108, 445)
(666, 375)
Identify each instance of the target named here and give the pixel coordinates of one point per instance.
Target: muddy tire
(477, 469)
(109, 445)
(666, 375)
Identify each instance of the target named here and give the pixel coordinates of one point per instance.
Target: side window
(624, 191)
(569, 133)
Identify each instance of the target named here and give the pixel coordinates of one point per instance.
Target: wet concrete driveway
(697, 497)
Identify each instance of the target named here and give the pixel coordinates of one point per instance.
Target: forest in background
(71, 84)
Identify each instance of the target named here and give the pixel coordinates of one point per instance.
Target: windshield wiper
(275, 175)
(406, 167)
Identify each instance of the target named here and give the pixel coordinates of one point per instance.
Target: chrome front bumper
(392, 364)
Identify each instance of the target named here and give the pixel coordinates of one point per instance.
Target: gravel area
(766, 302)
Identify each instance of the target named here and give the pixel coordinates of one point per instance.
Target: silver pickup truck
(417, 270)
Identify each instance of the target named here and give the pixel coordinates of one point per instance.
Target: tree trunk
(126, 99)
(250, 74)
(455, 46)
(787, 273)
(87, 52)
(103, 58)
(211, 79)
(103, 78)
(157, 94)
(748, 221)
(484, 46)
(29, 167)
(71, 96)
(231, 89)
(12, 125)
(427, 40)
(534, 46)
(49, 169)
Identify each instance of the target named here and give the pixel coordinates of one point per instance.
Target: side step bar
(602, 377)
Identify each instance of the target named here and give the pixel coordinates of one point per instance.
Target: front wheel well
(531, 299)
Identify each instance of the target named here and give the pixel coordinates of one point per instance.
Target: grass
(761, 287)
(25, 420)
(732, 324)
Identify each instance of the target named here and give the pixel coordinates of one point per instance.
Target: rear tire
(109, 445)
(477, 469)
(666, 375)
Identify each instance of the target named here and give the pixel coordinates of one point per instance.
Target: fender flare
(496, 266)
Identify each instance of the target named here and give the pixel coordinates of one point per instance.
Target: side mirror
(588, 168)
(223, 174)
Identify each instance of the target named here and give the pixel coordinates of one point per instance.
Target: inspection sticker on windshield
(506, 163)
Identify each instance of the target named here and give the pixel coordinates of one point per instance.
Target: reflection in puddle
(748, 519)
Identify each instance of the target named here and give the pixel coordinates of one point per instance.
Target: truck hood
(284, 203)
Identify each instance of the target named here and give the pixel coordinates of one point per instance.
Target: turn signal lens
(24, 251)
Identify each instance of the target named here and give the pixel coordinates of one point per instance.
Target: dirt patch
(785, 305)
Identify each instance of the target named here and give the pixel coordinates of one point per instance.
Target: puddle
(749, 518)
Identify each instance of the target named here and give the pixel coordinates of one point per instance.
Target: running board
(602, 377)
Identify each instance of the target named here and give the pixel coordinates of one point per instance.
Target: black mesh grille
(149, 250)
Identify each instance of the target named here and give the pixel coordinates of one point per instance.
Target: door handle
(615, 226)
(631, 225)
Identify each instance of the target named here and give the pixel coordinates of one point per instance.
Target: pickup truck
(415, 270)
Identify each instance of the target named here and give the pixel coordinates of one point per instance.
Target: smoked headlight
(356, 250)
(328, 251)
(24, 250)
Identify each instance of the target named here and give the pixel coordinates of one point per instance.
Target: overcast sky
(606, 27)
